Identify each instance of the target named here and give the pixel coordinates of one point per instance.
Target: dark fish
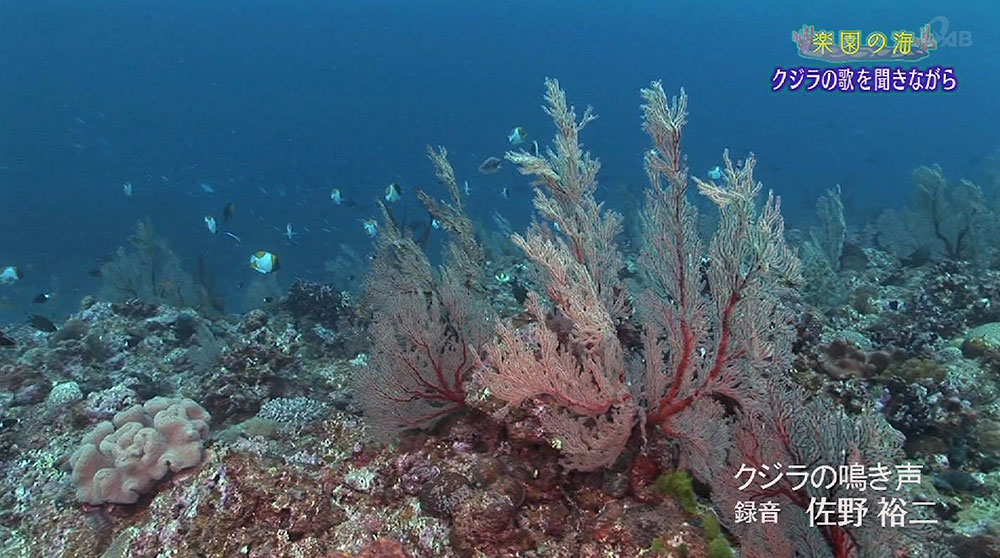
(919, 257)
(519, 291)
(228, 212)
(41, 298)
(6, 341)
(490, 165)
(41, 323)
(626, 273)
(96, 270)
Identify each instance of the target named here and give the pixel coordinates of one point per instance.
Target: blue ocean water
(272, 104)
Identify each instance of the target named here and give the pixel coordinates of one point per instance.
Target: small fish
(9, 275)
(517, 135)
(228, 212)
(435, 224)
(919, 257)
(41, 298)
(264, 262)
(335, 196)
(371, 227)
(393, 193)
(466, 188)
(41, 323)
(234, 237)
(6, 341)
(505, 193)
(289, 233)
(490, 165)
(715, 174)
(210, 224)
(519, 291)
(127, 189)
(534, 149)
(207, 188)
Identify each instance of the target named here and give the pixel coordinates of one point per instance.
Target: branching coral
(951, 221)
(716, 343)
(427, 324)
(149, 271)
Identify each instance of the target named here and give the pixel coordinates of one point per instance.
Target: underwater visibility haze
(499, 279)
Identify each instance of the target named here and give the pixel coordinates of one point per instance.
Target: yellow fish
(264, 262)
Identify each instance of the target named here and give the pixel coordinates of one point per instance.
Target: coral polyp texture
(121, 459)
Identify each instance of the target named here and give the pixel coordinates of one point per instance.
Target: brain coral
(121, 459)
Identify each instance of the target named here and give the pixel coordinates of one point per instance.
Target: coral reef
(567, 394)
